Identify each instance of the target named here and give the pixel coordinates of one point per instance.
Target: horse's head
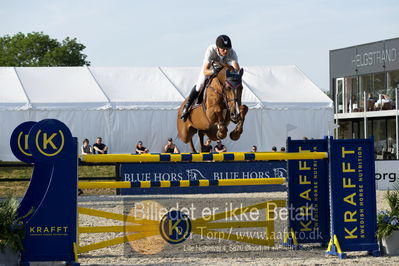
(233, 92)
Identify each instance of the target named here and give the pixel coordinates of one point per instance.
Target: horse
(221, 106)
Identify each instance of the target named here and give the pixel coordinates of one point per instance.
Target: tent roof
(144, 87)
(11, 90)
(284, 86)
(96, 88)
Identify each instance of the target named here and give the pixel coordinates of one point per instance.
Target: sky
(176, 33)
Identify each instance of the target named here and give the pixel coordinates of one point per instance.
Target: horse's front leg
(192, 146)
(221, 124)
(236, 133)
(201, 139)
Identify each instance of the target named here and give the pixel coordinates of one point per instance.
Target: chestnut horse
(222, 104)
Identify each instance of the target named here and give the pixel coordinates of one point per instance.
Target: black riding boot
(191, 98)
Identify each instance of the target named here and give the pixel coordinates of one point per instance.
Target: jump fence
(330, 183)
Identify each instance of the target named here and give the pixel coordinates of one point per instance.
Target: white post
(364, 115)
(336, 111)
(396, 122)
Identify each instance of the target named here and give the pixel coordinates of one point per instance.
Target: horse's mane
(224, 71)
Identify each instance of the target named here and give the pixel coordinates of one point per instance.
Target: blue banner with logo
(353, 203)
(175, 171)
(308, 193)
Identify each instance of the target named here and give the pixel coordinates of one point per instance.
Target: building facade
(363, 85)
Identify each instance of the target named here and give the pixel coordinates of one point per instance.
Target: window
(339, 96)
(381, 129)
(358, 129)
(378, 87)
(366, 85)
(380, 137)
(379, 84)
(392, 83)
(369, 128)
(345, 130)
(353, 97)
(375, 87)
(391, 140)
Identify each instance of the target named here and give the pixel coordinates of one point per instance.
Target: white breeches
(201, 81)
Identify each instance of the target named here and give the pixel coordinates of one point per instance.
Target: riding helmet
(223, 42)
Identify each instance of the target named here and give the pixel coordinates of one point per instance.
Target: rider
(220, 52)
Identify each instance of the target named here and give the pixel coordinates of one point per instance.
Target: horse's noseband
(234, 83)
(233, 79)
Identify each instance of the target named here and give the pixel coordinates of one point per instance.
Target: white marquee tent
(124, 105)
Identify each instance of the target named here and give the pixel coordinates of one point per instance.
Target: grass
(18, 188)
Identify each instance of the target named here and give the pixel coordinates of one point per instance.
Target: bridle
(223, 93)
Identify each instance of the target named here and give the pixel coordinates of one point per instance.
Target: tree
(38, 49)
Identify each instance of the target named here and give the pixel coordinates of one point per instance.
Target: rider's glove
(216, 69)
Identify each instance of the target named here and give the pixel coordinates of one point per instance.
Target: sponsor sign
(176, 171)
(386, 174)
(308, 193)
(50, 225)
(353, 202)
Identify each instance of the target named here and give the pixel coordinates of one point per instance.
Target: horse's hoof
(234, 135)
(234, 120)
(221, 135)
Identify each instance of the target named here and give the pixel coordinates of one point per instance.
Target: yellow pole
(183, 183)
(238, 156)
(251, 182)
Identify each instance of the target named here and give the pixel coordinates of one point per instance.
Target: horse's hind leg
(236, 133)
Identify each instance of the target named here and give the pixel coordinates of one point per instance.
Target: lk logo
(175, 227)
(49, 143)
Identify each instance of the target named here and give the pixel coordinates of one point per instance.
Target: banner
(175, 171)
(308, 194)
(386, 174)
(353, 201)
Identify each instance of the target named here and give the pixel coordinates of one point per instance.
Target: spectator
(220, 147)
(274, 149)
(140, 149)
(378, 103)
(171, 147)
(100, 147)
(282, 149)
(353, 104)
(86, 148)
(207, 146)
(254, 148)
(370, 102)
(387, 98)
(384, 103)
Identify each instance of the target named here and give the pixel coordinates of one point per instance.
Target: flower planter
(390, 244)
(9, 257)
